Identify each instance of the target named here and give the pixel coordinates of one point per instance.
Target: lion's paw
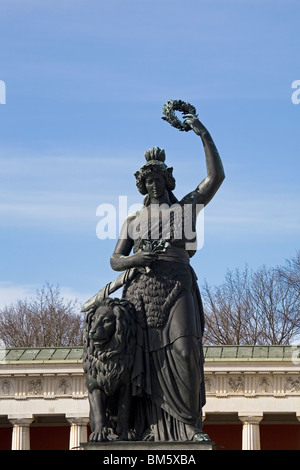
(105, 434)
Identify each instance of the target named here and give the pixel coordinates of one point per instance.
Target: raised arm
(214, 167)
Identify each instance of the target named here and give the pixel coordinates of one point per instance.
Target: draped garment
(170, 395)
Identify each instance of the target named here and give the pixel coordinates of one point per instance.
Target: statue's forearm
(214, 166)
(215, 171)
(120, 262)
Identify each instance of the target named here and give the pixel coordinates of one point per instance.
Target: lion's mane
(106, 365)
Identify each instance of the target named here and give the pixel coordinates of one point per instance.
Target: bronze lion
(109, 348)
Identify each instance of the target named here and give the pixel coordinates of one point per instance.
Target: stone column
(21, 433)
(298, 415)
(251, 432)
(78, 431)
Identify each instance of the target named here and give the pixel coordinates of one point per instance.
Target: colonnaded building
(253, 398)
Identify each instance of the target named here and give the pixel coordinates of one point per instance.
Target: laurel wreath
(169, 109)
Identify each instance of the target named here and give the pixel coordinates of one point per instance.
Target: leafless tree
(258, 307)
(291, 271)
(277, 305)
(48, 320)
(229, 317)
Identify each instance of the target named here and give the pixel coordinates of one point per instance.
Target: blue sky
(85, 85)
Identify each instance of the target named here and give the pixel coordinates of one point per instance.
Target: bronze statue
(153, 252)
(109, 350)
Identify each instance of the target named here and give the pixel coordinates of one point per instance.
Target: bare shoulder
(194, 197)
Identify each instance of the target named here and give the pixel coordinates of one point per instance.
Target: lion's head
(110, 331)
(103, 327)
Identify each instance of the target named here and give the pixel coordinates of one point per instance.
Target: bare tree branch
(260, 307)
(48, 320)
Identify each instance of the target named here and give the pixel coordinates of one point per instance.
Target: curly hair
(155, 163)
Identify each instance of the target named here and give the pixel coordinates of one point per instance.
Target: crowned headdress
(155, 163)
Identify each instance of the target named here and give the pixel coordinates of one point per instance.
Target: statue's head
(155, 166)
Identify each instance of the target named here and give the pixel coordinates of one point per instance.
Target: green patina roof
(38, 355)
(251, 352)
(211, 353)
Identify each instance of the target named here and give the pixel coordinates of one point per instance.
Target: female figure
(168, 380)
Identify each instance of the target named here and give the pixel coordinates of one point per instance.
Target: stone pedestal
(171, 447)
(139, 454)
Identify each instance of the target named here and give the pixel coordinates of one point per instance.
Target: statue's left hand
(193, 122)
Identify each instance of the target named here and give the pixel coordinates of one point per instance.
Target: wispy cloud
(270, 215)
(10, 293)
(47, 189)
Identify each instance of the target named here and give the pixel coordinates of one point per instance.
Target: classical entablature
(249, 382)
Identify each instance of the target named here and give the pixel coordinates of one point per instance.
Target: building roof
(38, 355)
(211, 353)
